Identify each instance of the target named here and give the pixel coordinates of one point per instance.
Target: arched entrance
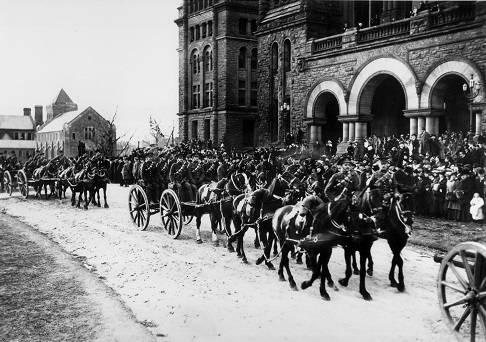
(450, 104)
(384, 99)
(326, 110)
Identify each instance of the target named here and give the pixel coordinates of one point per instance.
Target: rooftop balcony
(423, 22)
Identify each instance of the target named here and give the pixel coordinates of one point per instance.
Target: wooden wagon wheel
(461, 288)
(171, 213)
(7, 182)
(22, 181)
(139, 207)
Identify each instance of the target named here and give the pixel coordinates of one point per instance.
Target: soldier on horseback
(343, 183)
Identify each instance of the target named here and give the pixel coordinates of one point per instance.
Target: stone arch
(359, 92)
(459, 66)
(330, 85)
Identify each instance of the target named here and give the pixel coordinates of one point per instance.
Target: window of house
(254, 59)
(242, 24)
(198, 32)
(242, 58)
(22, 136)
(253, 25)
(210, 28)
(207, 129)
(29, 136)
(89, 133)
(254, 94)
(196, 96)
(194, 129)
(203, 28)
(241, 93)
(208, 61)
(286, 56)
(208, 94)
(74, 136)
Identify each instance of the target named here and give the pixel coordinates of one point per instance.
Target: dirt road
(183, 291)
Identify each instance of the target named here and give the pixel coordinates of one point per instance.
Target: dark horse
(338, 223)
(215, 199)
(256, 210)
(291, 224)
(100, 182)
(398, 228)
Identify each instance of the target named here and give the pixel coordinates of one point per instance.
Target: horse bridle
(401, 214)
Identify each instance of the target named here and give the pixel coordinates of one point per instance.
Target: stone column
(421, 125)
(345, 131)
(429, 124)
(313, 134)
(478, 124)
(318, 135)
(351, 131)
(413, 126)
(436, 125)
(360, 131)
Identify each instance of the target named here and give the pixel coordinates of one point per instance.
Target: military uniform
(342, 183)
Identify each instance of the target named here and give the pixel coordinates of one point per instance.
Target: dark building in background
(218, 77)
(335, 70)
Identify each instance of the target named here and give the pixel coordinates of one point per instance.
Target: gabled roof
(57, 124)
(62, 98)
(21, 122)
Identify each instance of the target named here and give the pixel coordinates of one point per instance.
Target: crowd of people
(446, 173)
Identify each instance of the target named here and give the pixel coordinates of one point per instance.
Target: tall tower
(61, 104)
(218, 71)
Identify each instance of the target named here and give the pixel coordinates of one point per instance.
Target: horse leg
(391, 275)
(256, 242)
(355, 265)
(315, 273)
(214, 218)
(198, 225)
(370, 265)
(347, 257)
(401, 283)
(227, 226)
(324, 258)
(267, 246)
(363, 255)
(286, 263)
(240, 245)
(98, 197)
(104, 197)
(87, 198)
(275, 251)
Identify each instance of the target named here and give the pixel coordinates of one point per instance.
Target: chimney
(27, 111)
(38, 116)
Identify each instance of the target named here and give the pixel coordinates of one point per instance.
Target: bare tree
(106, 141)
(155, 131)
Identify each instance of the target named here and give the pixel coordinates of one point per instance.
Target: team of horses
(300, 222)
(86, 184)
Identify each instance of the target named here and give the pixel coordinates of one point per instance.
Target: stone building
(349, 70)
(68, 128)
(335, 69)
(218, 71)
(17, 134)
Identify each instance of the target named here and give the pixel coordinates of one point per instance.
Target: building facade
(17, 135)
(71, 131)
(218, 71)
(344, 70)
(354, 69)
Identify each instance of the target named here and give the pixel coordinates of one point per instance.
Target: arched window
(242, 58)
(254, 59)
(208, 60)
(194, 64)
(274, 58)
(286, 56)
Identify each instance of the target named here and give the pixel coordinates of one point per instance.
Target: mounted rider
(343, 183)
(382, 179)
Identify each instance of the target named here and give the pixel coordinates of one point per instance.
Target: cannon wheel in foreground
(139, 207)
(171, 213)
(23, 184)
(461, 288)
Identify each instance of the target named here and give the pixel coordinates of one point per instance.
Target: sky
(117, 56)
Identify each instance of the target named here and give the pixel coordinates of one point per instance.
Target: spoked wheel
(461, 288)
(171, 213)
(139, 207)
(7, 183)
(23, 183)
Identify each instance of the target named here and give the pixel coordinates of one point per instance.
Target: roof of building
(20, 122)
(57, 124)
(62, 98)
(16, 144)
